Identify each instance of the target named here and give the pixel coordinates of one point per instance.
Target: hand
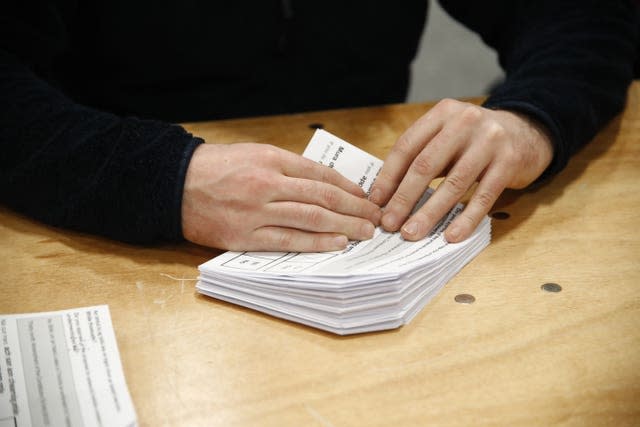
(262, 198)
(466, 143)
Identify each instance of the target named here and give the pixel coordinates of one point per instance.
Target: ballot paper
(62, 368)
(377, 284)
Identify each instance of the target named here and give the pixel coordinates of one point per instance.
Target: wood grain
(517, 356)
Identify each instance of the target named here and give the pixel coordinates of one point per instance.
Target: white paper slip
(62, 368)
(353, 163)
(381, 283)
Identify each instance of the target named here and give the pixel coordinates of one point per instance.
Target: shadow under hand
(59, 245)
(513, 207)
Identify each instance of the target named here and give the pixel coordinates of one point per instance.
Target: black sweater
(89, 89)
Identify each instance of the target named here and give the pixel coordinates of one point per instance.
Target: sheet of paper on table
(376, 284)
(62, 368)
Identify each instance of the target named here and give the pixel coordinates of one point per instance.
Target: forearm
(75, 167)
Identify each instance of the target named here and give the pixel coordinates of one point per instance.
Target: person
(91, 92)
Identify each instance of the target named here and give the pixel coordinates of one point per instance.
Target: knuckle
(454, 184)
(403, 145)
(485, 200)
(330, 198)
(303, 186)
(470, 115)
(270, 155)
(448, 104)
(327, 174)
(402, 199)
(284, 239)
(457, 182)
(516, 157)
(321, 242)
(422, 166)
(384, 181)
(495, 131)
(466, 220)
(313, 216)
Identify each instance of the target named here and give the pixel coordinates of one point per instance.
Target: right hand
(257, 197)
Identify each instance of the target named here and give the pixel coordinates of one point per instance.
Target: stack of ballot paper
(372, 285)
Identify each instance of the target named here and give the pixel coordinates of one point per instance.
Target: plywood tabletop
(517, 356)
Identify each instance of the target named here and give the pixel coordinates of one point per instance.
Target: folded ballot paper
(372, 285)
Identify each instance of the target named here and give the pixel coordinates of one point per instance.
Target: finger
(308, 217)
(327, 196)
(429, 164)
(299, 167)
(292, 240)
(461, 177)
(489, 189)
(401, 156)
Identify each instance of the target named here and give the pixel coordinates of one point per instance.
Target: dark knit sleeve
(568, 63)
(75, 167)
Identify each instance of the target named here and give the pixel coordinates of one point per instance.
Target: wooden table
(517, 356)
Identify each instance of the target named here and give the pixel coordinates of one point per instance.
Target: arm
(145, 181)
(75, 167)
(568, 66)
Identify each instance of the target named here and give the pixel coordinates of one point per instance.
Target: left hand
(465, 143)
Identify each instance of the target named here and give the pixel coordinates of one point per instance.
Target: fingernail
(367, 231)
(410, 228)
(375, 196)
(340, 242)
